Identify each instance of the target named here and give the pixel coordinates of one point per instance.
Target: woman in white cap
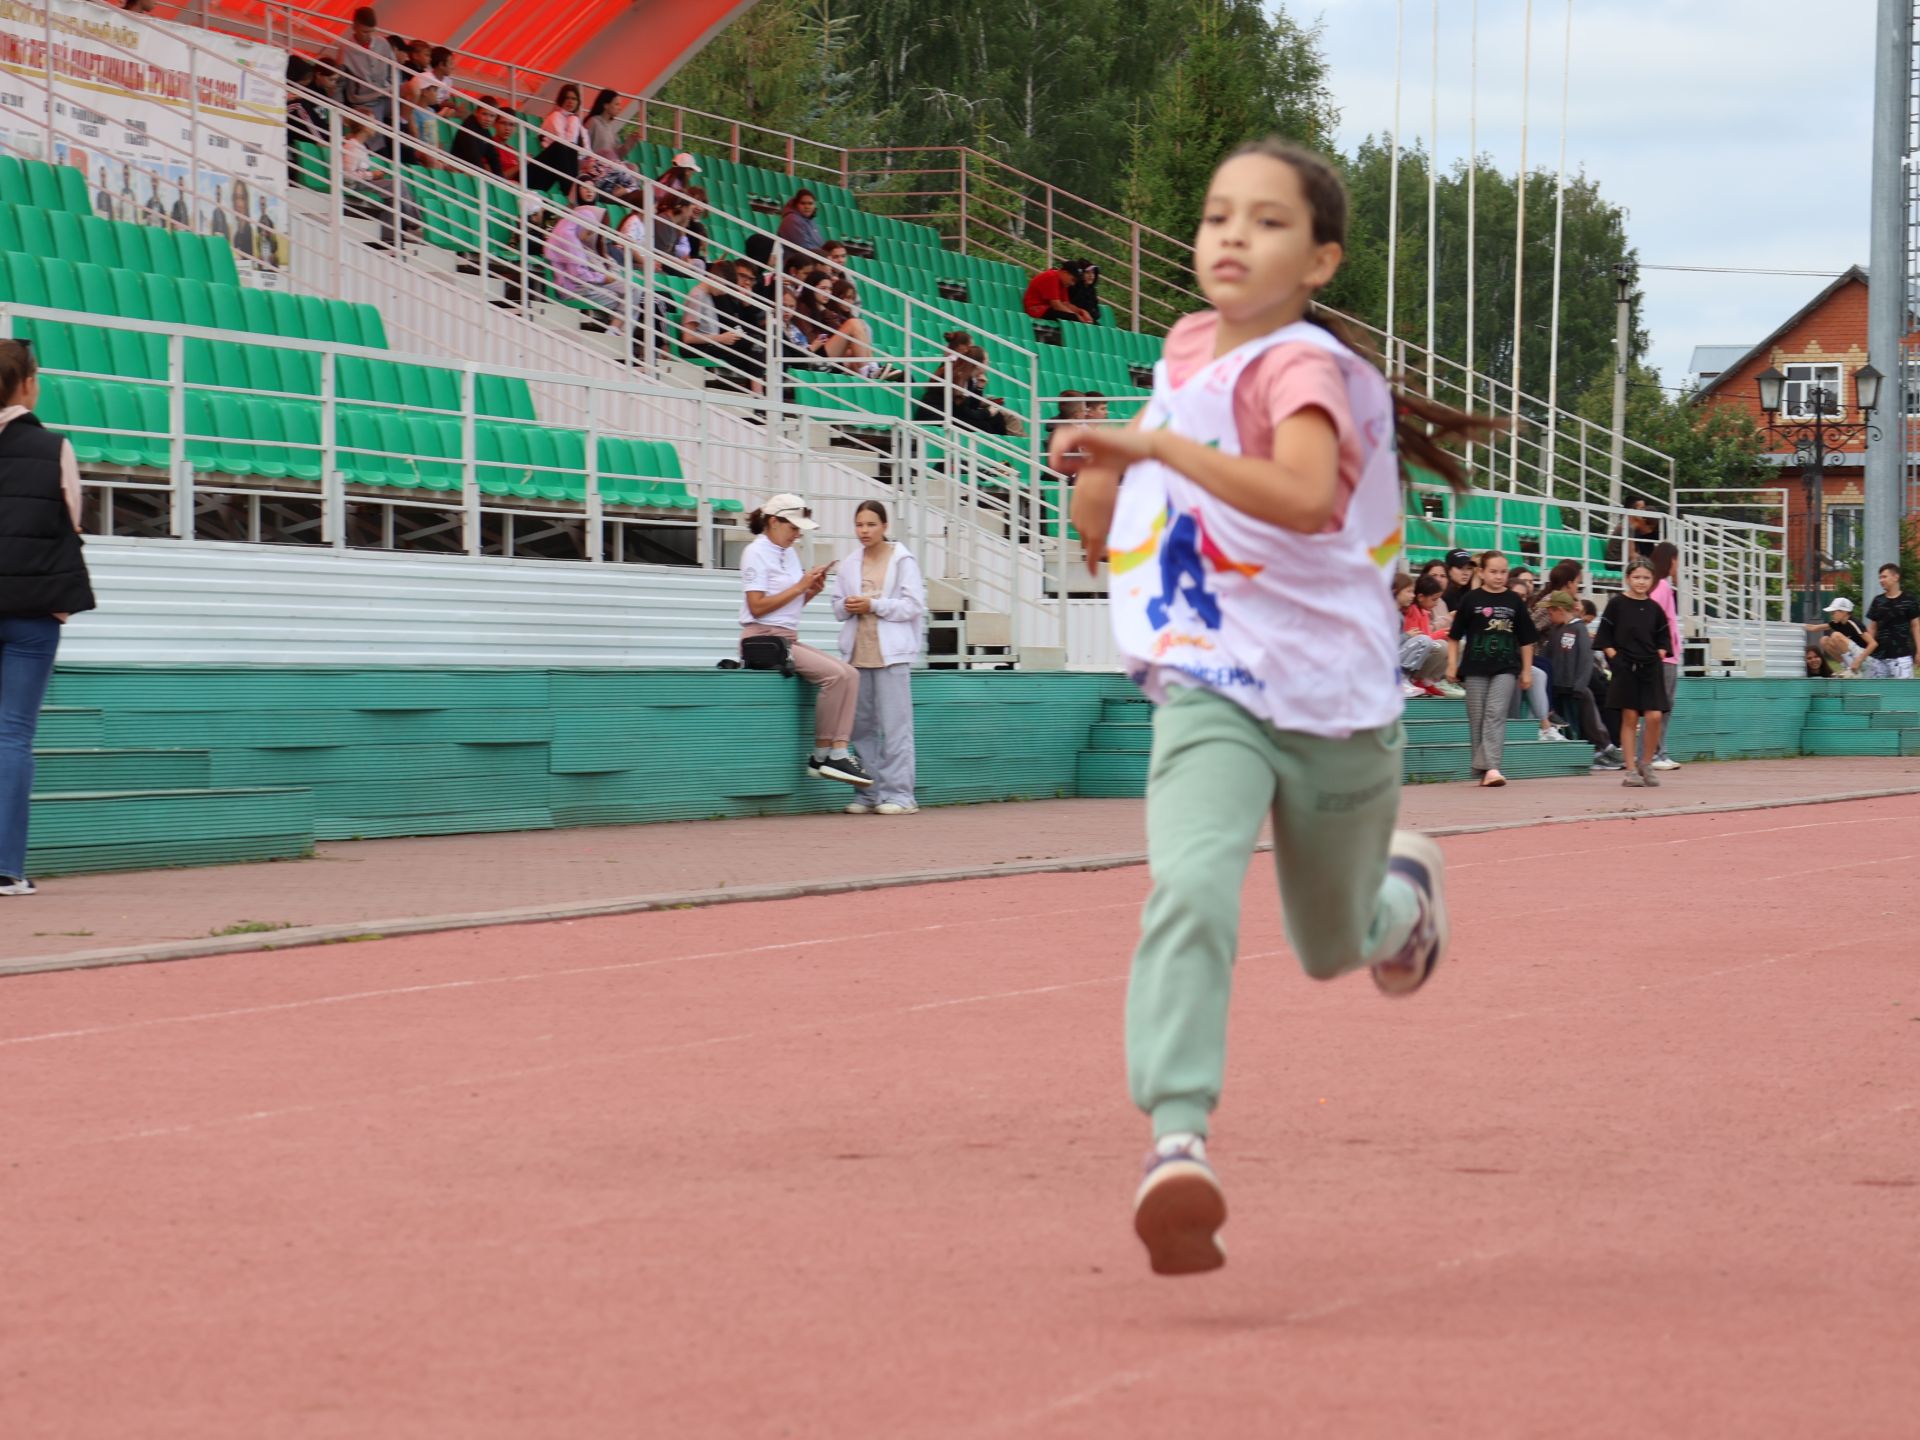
(777, 588)
(1840, 639)
(881, 600)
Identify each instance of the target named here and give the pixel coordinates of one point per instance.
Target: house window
(1796, 396)
(1843, 533)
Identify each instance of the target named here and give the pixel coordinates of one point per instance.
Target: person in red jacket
(1047, 297)
(1423, 648)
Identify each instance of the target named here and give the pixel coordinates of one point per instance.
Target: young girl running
(1635, 637)
(1250, 553)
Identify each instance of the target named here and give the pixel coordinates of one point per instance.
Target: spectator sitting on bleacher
(581, 270)
(1423, 639)
(950, 397)
(1070, 411)
(1085, 290)
(603, 144)
(1093, 408)
(563, 133)
(375, 187)
(698, 209)
(366, 64)
(412, 56)
(1463, 573)
(1048, 294)
(705, 329)
(679, 175)
(473, 143)
(506, 144)
(836, 256)
(429, 94)
(306, 119)
(797, 225)
(850, 342)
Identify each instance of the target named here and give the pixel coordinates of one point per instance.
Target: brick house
(1822, 343)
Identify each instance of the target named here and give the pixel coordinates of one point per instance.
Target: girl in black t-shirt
(1635, 636)
(1490, 652)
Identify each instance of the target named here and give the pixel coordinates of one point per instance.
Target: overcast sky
(1732, 133)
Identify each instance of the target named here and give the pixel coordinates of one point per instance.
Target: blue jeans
(26, 665)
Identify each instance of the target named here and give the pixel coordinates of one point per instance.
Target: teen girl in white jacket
(881, 602)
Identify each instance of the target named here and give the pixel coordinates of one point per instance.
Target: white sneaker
(1179, 1209)
(1450, 690)
(1411, 691)
(1663, 762)
(894, 808)
(17, 885)
(1417, 859)
(1550, 733)
(860, 807)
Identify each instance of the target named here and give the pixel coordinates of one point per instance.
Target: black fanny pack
(766, 652)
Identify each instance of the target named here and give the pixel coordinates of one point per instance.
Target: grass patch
(254, 927)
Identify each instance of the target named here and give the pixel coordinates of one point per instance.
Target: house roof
(1853, 272)
(1713, 360)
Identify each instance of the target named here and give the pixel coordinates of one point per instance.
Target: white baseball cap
(1841, 604)
(790, 507)
(687, 161)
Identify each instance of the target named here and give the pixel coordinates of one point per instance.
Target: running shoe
(1416, 859)
(894, 807)
(1449, 689)
(1552, 734)
(1179, 1209)
(17, 885)
(840, 767)
(1410, 691)
(1492, 780)
(1647, 776)
(1634, 780)
(861, 807)
(1606, 760)
(1664, 761)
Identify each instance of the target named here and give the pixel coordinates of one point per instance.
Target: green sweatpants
(1216, 772)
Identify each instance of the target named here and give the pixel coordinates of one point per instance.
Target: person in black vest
(43, 580)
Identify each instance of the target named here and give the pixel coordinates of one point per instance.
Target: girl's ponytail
(1421, 424)
(756, 522)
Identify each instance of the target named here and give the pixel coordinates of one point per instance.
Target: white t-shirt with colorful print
(1298, 629)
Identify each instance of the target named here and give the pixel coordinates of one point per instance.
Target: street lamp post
(1810, 439)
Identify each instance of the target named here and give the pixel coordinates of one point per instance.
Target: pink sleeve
(1282, 383)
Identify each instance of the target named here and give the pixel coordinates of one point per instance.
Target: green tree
(1594, 240)
(1715, 448)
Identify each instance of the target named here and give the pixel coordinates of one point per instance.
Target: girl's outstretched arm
(1296, 490)
(1093, 455)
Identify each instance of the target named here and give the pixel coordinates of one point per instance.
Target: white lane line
(532, 976)
(428, 1087)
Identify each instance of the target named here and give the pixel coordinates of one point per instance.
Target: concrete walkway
(351, 890)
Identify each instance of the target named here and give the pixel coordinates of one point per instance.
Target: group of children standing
(1478, 634)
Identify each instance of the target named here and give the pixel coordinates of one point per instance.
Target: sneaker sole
(827, 772)
(1425, 851)
(1177, 1216)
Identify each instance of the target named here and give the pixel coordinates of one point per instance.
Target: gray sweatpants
(883, 732)
(1489, 698)
(1422, 657)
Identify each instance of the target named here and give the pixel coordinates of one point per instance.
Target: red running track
(1643, 1160)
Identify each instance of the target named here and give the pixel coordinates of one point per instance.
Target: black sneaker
(840, 767)
(17, 885)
